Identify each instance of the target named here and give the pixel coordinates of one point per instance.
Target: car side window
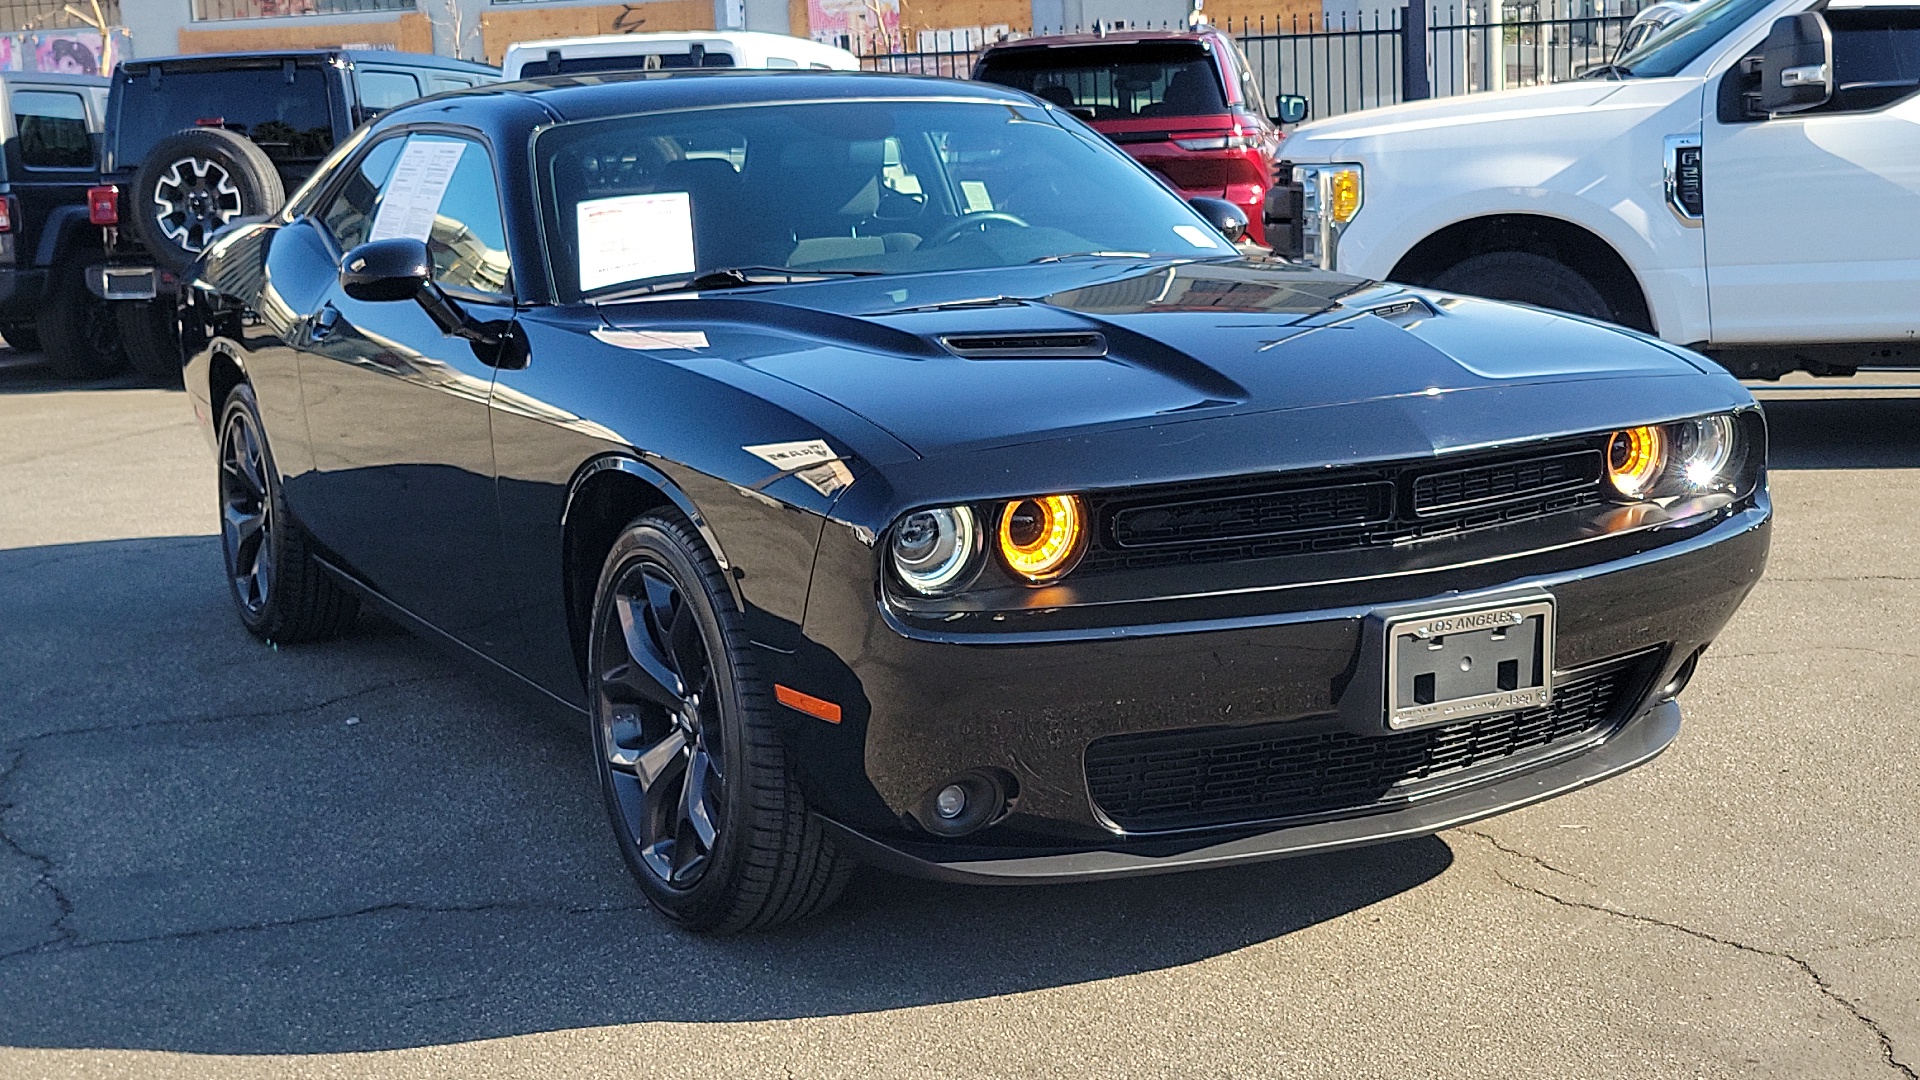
(349, 216)
(385, 89)
(448, 82)
(52, 130)
(1876, 57)
(469, 235)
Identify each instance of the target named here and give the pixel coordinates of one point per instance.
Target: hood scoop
(1044, 345)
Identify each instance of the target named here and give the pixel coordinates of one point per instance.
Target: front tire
(279, 589)
(702, 800)
(1526, 278)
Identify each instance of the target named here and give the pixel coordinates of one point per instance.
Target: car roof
(585, 97)
(355, 57)
(55, 77)
(1111, 37)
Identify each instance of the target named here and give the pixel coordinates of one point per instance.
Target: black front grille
(1440, 492)
(1345, 510)
(1224, 776)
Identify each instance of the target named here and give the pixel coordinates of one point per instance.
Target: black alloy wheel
(280, 591)
(694, 775)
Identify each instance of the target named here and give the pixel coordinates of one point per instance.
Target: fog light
(951, 802)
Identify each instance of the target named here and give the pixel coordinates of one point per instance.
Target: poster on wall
(73, 52)
(864, 27)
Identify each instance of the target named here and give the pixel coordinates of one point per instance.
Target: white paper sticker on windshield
(978, 201)
(653, 339)
(631, 237)
(412, 198)
(1197, 236)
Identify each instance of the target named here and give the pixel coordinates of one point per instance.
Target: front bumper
(921, 709)
(1637, 742)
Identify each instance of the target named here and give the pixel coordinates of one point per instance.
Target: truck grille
(1340, 510)
(1224, 776)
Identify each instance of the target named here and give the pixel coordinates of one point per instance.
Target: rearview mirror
(397, 268)
(1289, 109)
(1796, 64)
(1222, 215)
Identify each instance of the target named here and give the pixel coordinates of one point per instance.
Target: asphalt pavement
(219, 859)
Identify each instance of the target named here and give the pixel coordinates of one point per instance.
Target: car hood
(1318, 141)
(1183, 341)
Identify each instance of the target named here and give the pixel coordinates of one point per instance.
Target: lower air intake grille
(1223, 776)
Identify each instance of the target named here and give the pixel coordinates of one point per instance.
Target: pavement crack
(1813, 975)
(43, 877)
(74, 943)
(1536, 860)
(221, 718)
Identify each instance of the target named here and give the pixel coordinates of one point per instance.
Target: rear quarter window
(50, 127)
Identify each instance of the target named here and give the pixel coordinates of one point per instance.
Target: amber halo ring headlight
(1043, 537)
(933, 550)
(1688, 457)
(1635, 459)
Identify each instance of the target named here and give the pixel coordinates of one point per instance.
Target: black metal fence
(57, 14)
(1365, 60)
(213, 10)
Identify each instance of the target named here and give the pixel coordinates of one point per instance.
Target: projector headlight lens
(933, 550)
(1042, 538)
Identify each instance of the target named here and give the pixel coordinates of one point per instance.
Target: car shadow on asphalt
(1842, 432)
(214, 846)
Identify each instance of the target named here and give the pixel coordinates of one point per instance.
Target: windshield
(869, 187)
(1681, 44)
(1115, 82)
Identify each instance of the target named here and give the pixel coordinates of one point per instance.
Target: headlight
(1043, 537)
(1331, 196)
(934, 549)
(1684, 458)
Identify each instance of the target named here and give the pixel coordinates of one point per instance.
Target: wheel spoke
(662, 761)
(242, 525)
(694, 808)
(646, 675)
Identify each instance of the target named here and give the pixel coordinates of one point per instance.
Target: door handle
(324, 323)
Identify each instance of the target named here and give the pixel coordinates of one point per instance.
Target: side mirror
(394, 269)
(1796, 64)
(1289, 109)
(1222, 215)
(401, 268)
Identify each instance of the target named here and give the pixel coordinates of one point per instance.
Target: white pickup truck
(1746, 183)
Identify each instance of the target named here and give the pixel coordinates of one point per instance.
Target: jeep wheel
(192, 183)
(78, 330)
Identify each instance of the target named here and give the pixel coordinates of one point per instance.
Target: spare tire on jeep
(195, 181)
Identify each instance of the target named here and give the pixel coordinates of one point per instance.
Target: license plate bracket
(1457, 664)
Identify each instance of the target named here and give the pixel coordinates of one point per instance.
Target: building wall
(406, 32)
(504, 24)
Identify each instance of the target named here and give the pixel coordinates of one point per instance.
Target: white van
(671, 51)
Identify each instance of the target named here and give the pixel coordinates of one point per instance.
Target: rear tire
(281, 592)
(151, 332)
(696, 780)
(1526, 278)
(78, 330)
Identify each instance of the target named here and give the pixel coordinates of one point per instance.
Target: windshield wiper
(1608, 71)
(729, 277)
(1095, 255)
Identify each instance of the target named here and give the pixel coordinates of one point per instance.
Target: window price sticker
(412, 198)
(634, 237)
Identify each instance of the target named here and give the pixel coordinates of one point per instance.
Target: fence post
(1414, 85)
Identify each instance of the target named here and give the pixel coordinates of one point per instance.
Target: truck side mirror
(1289, 109)
(1796, 64)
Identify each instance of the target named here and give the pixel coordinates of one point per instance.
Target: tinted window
(285, 111)
(588, 65)
(469, 240)
(349, 217)
(385, 89)
(52, 127)
(1876, 56)
(1115, 82)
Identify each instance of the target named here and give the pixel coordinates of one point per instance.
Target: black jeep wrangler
(196, 142)
(49, 142)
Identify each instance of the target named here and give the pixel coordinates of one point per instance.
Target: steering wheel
(980, 222)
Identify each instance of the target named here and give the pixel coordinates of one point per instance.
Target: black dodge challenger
(893, 471)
